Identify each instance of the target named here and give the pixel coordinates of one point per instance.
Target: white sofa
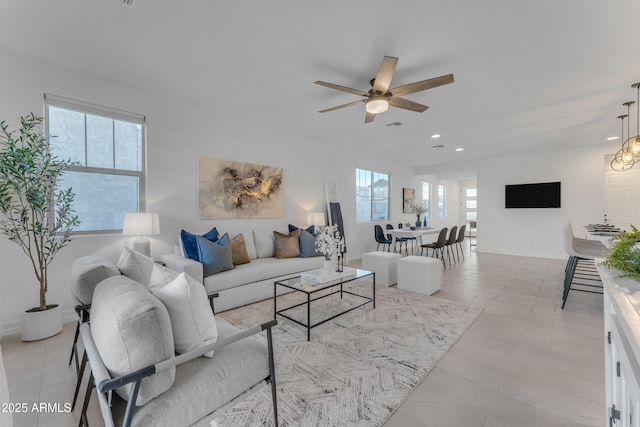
(246, 283)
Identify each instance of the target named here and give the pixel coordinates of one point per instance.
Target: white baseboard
(547, 255)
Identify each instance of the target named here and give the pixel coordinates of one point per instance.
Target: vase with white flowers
(330, 244)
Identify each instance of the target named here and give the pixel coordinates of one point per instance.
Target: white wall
(537, 232)
(453, 183)
(177, 133)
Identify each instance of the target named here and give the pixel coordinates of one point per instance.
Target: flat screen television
(541, 195)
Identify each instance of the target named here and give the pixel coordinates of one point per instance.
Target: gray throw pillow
(308, 246)
(215, 257)
(132, 330)
(86, 273)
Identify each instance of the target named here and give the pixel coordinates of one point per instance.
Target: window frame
(51, 100)
(371, 172)
(428, 201)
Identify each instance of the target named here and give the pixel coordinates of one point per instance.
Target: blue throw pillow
(308, 247)
(311, 229)
(215, 256)
(189, 245)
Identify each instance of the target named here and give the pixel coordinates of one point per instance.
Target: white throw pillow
(249, 244)
(192, 320)
(160, 276)
(135, 266)
(265, 243)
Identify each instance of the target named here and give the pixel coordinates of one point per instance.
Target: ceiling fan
(380, 97)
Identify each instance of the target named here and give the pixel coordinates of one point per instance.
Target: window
(107, 149)
(426, 197)
(372, 195)
(442, 201)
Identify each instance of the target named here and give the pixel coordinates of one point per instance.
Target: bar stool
(580, 254)
(577, 241)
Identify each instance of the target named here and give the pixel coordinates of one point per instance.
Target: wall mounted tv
(541, 195)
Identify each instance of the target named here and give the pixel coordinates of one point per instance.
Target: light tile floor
(524, 361)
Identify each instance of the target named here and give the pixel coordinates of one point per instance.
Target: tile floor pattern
(524, 362)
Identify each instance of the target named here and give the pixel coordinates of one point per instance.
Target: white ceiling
(528, 75)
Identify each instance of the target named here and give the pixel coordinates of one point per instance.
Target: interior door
(468, 204)
(469, 210)
(622, 196)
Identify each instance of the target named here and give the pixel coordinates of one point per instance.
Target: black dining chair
(413, 240)
(381, 238)
(437, 246)
(399, 240)
(460, 239)
(453, 236)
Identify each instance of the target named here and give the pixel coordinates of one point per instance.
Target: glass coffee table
(310, 288)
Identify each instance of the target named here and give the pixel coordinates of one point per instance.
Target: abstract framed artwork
(408, 198)
(231, 190)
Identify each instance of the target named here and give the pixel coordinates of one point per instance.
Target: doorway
(469, 211)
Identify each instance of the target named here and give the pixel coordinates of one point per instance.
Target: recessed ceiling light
(459, 149)
(611, 138)
(435, 136)
(437, 146)
(395, 124)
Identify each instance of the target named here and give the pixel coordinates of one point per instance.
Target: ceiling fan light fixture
(377, 105)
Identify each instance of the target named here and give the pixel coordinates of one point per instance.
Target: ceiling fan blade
(360, 101)
(422, 85)
(342, 88)
(406, 104)
(369, 117)
(385, 74)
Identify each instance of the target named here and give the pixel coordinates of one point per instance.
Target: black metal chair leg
(272, 375)
(568, 279)
(74, 347)
(79, 382)
(85, 405)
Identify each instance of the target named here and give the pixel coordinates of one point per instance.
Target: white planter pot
(39, 325)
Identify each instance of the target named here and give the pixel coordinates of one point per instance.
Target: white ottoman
(419, 274)
(384, 264)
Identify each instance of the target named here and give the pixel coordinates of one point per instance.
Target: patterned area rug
(358, 367)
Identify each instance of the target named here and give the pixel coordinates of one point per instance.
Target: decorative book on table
(323, 276)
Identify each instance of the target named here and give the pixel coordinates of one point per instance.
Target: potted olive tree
(35, 214)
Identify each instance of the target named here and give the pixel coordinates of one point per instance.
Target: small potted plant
(34, 213)
(624, 256)
(419, 209)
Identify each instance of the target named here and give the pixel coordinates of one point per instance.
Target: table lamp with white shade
(316, 218)
(141, 224)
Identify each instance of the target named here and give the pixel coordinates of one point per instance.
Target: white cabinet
(622, 349)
